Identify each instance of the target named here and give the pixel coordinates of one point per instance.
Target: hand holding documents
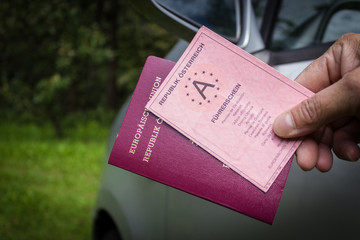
(149, 147)
(225, 100)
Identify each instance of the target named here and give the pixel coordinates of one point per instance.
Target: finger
(340, 123)
(316, 76)
(346, 141)
(327, 137)
(307, 154)
(347, 150)
(339, 59)
(323, 135)
(325, 158)
(321, 141)
(339, 99)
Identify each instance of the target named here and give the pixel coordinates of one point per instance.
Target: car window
(341, 22)
(259, 9)
(207, 13)
(297, 23)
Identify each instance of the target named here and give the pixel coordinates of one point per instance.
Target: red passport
(149, 147)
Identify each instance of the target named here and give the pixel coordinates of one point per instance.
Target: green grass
(48, 185)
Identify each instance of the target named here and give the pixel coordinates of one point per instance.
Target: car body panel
(313, 205)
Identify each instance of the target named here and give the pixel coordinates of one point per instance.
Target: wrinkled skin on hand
(330, 120)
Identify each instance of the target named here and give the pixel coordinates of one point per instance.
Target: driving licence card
(225, 100)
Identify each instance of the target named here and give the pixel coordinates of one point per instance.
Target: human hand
(330, 120)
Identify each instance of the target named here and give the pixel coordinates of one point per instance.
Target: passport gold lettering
(151, 144)
(225, 166)
(143, 118)
(138, 133)
(159, 121)
(155, 87)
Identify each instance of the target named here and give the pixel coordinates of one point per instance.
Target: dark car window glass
(259, 9)
(218, 15)
(341, 22)
(298, 23)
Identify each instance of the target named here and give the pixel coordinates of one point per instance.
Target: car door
(314, 204)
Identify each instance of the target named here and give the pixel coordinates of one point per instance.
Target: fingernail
(284, 125)
(352, 153)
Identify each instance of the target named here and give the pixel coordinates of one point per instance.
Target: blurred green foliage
(65, 68)
(48, 185)
(63, 56)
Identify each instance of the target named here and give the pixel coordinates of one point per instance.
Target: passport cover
(149, 147)
(225, 100)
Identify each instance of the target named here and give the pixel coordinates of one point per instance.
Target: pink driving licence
(225, 100)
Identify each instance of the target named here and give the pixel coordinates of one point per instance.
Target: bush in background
(62, 57)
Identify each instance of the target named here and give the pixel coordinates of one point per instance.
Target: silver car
(288, 35)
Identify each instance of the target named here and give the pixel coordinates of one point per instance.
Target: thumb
(329, 104)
